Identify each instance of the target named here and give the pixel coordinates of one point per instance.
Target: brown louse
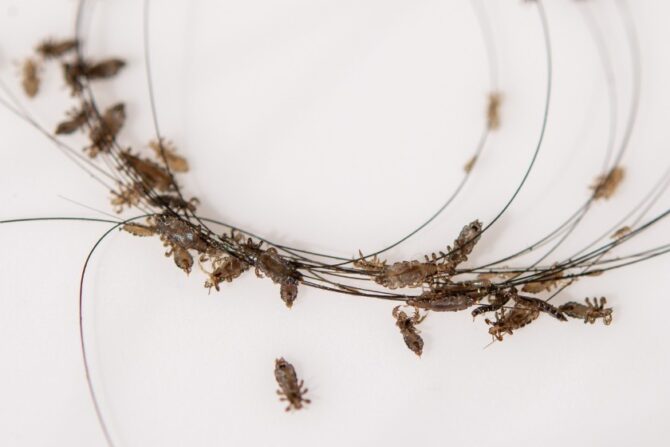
(589, 312)
(51, 48)
(152, 175)
(407, 326)
(270, 264)
(290, 389)
(226, 269)
(76, 72)
(127, 196)
(606, 185)
(30, 78)
(621, 232)
(508, 321)
(166, 149)
(451, 297)
(105, 129)
(417, 273)
(545, 284)
(493, 110)
(406, 274)
(77, 118)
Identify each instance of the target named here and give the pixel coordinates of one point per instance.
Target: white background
(335, 126)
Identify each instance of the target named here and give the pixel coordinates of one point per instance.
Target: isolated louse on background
(51, 48)
(493, 110)
(606, 185)
(407, 326)
(30, 78)
(589, 312)
(166, 149)
(290, 389)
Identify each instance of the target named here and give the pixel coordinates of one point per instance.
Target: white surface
(333, 125)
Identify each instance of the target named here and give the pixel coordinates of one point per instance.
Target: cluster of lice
(149, 182)
(31, 67)
(423, 273)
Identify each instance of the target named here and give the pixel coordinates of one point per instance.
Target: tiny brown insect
(464, 244)
(509, 321)
(75, 73)
(547, 283)
(406, 274)
(407, 326)
(138, 229)
(606, 185)
(621, 232)
(290, 389)
(152, 175)
(269, 263)
(226, 269)
(103, 69)
(589, 312)
(51, 48)
(30, 79)
(182, 258)
(104, 130)
(77, 118)
(166, 149)
(493, 110)
(541, 305)
(127, 196)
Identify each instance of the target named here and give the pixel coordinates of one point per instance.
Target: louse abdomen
(406, 274)
(450, 303)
